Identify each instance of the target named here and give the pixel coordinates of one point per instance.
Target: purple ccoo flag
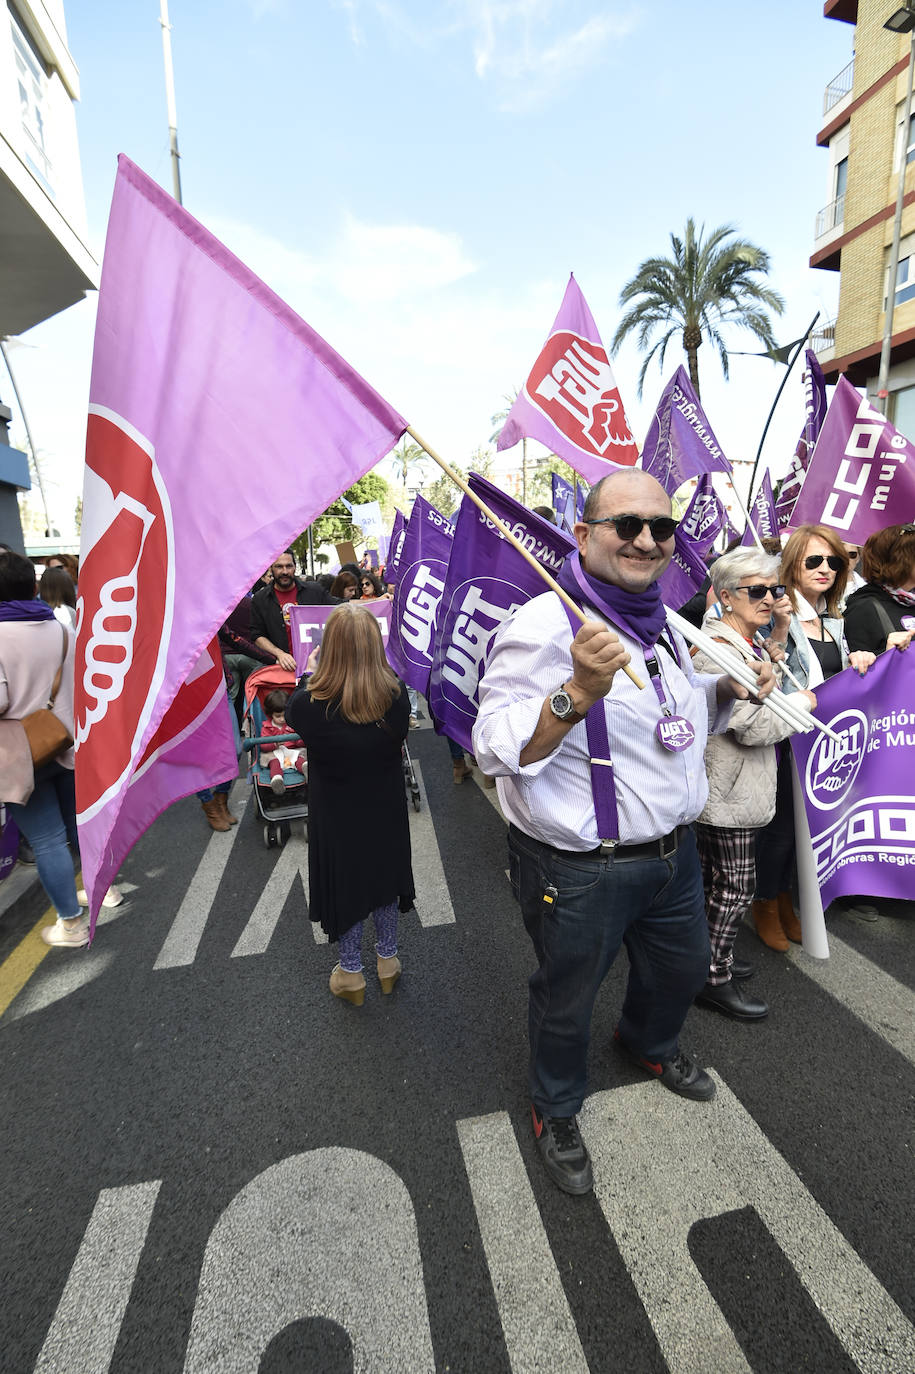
(194, 357)
(815, 413)
(680, 442)
(861, 476)
(487, 579)
(570, 401)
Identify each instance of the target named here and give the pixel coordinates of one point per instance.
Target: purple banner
(859, 795)
(567, 507)
(762, 514)
(305, 621)
(487, 580)
(9, 843)
(422, 564)
(861, 477)
(680, 442)
(703, 521)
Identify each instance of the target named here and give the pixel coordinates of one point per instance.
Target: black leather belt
(662, 848)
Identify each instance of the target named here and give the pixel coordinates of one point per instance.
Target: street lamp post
(901, 21)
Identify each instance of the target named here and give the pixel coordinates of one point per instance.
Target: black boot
(732, 999)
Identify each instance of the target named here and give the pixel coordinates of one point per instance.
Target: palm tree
(707, 284)
(406, 457)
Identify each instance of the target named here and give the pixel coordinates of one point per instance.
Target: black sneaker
(679, 1074)
(563, 1151)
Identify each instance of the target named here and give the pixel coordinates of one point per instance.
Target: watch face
(561, 705)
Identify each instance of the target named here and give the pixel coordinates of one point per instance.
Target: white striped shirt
(551, 799)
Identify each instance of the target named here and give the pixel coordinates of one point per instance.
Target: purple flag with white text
(421, 567)
(398, 530)
(570, 401)
(194, 357)
(763, 518)
(702, 522)
(487, 579)
(861, 477)
(681, 443)
(860, 794)
(814, 414)
(306, 628)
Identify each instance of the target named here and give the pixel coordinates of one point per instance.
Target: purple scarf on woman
(25, 610)
(640, 615)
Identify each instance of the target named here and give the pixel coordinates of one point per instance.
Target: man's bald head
(628, 486)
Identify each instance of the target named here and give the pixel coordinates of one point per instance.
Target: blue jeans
(654, 906)
(48, 821)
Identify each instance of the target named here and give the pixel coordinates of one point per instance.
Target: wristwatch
(562, 707)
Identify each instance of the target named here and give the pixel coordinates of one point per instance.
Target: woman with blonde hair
(352, 715)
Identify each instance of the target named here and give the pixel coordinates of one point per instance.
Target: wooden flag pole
(507, 534)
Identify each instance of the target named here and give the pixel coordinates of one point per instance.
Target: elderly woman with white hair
(741, 767)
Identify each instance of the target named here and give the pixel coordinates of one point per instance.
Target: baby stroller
(409, 777)
(292, 805)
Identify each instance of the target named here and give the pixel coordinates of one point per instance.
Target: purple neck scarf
(25, 610)
(640, 615)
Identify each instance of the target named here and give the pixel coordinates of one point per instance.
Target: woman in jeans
(32, 643)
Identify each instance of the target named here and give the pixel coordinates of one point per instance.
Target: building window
(905, 271)
(905, 138)
(841, 177)
(32, 81)
(903, 411)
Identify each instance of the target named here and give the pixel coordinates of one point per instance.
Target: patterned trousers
(729, 879)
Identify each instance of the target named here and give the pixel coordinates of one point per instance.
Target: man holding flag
(600, 781)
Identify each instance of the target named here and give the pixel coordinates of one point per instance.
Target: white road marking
(84, 1331)
(331, 1234)
(292, 863)
(886, 1006)
(536, 1319)
(433, 900)
(183, 940)
(661, 1164)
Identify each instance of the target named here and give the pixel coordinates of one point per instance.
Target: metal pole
(796, 355)
(311, 554)
(170, 97)
(33, 452)
(883, 376)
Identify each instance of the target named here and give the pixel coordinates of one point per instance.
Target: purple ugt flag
(398, 530)
(858, 794)
(861, 476)
(487, 580)
(193, 356)
(814, 415)
(421, 567)
(570, 401)
(680, 442)
(762, 514)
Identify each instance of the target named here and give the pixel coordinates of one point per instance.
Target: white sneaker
(112, 897)
(72, 933)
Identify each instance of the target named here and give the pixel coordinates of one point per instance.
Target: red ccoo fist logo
(124, 607)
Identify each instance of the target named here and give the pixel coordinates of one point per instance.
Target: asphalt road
(210, 1163)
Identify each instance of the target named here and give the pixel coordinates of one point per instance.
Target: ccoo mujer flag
(202, 381)
(570, 401)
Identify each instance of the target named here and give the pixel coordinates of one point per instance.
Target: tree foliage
(709, 283)
(335, 525)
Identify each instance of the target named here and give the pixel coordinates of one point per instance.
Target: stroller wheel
(417, 802)
(271, 839)
(285, 831)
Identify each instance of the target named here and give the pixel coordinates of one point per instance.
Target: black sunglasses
(629, 527)
(832, 561)
(758, 591)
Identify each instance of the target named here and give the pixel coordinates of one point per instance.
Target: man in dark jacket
(270, 608)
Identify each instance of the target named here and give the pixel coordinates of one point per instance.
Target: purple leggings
(350, 944)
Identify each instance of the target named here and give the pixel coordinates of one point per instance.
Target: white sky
(418, 180)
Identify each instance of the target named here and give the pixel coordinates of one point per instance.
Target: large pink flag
(570, 402)
(861, 477)
(220, 425)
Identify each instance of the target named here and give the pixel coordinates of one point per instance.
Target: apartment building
(869, 134)
(45, 264)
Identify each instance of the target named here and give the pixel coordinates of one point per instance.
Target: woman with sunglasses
(809, 629)
(881, 614)
(370, 587)
(741, 769)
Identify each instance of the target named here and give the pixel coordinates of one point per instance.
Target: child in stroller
(278, 757)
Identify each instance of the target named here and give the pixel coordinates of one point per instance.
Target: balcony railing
(824, 338)
(839, 87)
(830, 217)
